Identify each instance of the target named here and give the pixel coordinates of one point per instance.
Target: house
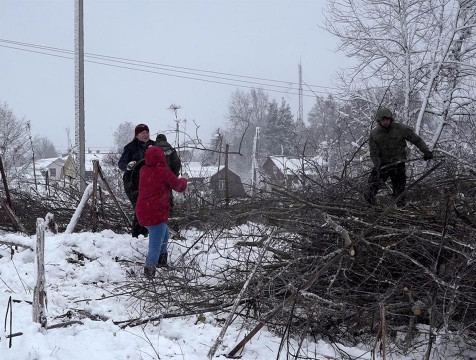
(289, 171)
(51, 169)
(218, 184)
(211, 179)
(55, 170)
(46, 172)
(197, 173)
(59, 171)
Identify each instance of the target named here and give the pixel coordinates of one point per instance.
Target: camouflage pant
(379, 176)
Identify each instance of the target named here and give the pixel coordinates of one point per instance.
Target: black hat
(139, 128)
(161, 137)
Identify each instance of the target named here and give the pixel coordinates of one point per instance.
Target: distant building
(211, 180)
(288, 171)
(218, 184)
(46, 172)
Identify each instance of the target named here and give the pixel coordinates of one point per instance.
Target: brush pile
(319, 261)
(337, 268)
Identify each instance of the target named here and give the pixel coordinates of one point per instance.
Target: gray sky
(256, 39)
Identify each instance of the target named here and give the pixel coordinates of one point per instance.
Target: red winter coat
(155, 182)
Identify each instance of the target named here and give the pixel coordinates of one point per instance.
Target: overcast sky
(178, 39)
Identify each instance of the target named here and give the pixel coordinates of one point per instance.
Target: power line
(165, 74)
(136, 63)
(158, 64)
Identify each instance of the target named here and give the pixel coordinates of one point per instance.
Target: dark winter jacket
(134, 151)
(156, 181)
(389, 146)
(171, 156)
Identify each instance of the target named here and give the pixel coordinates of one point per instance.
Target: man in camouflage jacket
(388, 151)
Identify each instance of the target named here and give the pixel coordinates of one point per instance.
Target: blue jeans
(158, 238)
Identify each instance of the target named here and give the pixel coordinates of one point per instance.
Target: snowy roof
(289, 165)
(43, 164)
(195, 170)
(89, 157)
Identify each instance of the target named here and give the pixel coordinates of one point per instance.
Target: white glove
(184, 176)
(131, 165)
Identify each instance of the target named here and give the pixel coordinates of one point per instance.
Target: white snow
(88, 286)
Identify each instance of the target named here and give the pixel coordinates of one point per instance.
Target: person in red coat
(153, 205)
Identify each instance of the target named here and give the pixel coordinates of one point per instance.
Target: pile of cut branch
(62, 203)
(336, 268)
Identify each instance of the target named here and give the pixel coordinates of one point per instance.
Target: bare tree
(14, 143)
(246, 112)
(44, 148)
(425, 48)
(123, 135)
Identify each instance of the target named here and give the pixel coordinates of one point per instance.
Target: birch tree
(423, 47)
(245, 112)
(14, 144)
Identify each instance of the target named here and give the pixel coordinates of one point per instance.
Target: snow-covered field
(85, 289)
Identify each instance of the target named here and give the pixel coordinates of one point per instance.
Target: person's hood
(163, 143)
(155, 156)
(384, 113)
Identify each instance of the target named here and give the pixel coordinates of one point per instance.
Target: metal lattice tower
(300, 111)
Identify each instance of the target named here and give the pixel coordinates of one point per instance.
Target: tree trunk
(39, 293)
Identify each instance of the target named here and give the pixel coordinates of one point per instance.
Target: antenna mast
(300, 111)
(174, 108)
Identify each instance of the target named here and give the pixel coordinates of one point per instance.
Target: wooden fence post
(39, 294)
(227, 179)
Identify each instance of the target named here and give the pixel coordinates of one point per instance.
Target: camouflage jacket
(173, 160)
(388, 146)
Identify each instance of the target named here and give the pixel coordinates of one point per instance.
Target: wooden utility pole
(227, 185)
(79, 93)
(33, 154)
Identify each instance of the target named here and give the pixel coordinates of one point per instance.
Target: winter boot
(370, 198)
(162, 261)
(149, 272)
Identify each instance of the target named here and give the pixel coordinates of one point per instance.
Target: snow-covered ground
(85, 289)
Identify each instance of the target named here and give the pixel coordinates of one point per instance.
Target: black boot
(162, 261)
(149, 272)
(137, 229)
(370, 198)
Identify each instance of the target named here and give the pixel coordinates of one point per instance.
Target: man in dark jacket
(131, 161)
(171, 156)
(388, 151)
(173, 162)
